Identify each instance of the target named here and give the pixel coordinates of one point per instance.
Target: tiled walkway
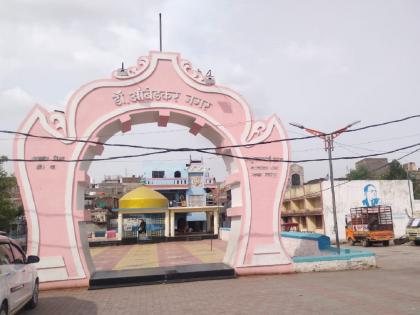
(391, 289)
(157, 255)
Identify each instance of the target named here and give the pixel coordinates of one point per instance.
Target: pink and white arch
(162, 88)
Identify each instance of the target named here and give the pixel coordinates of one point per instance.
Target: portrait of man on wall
(371, 196)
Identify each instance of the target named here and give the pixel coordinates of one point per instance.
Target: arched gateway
(161, 88)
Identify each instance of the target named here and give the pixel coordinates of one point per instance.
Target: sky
(322, 64)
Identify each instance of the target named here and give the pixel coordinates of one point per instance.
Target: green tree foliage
(8, 212)
(360, 172)
(396, 171)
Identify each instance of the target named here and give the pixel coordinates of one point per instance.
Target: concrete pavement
(393, 288)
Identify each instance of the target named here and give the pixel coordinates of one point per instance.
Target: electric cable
(206, 148)
(381, 124)
(132, 146)
(261, 159)
(374, 170)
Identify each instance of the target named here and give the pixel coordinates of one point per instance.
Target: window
(177, 174)
(158, 174)
(6, 256)
(295, 180)
(19, 256)
(318, 222)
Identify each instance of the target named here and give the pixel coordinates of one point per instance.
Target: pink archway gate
(162, 88)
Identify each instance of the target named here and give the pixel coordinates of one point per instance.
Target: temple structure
(143, 204)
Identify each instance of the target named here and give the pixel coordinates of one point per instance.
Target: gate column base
(264, 270)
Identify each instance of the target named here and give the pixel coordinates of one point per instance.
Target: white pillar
(208, 223)
(216, 222)
(172, 223)
(167, 223)
(120, 225)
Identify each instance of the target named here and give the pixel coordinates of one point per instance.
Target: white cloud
(16, 97)
(330, 58)
(14, 103)
(319, 63)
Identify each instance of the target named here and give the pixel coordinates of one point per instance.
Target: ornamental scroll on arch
(254, 131)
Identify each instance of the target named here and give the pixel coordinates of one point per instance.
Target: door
(12, 278)
(22, 268)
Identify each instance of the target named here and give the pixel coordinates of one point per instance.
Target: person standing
(142, 229)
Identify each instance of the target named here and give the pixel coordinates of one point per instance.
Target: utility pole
(409, 191)
(329, 147)
(160, 32)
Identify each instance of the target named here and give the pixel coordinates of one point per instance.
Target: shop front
(144, 215)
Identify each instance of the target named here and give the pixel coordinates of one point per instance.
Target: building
(100, 215)
(412, 170)
(310, 205)
(193, 201)
(143, 205)
(171, 180)
(375, 166)
(304, 205)
(181, 182)
(146, 206)
(410, 167)
(296, 177)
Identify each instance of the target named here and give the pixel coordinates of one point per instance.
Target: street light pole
(329, 147)
(409, 191)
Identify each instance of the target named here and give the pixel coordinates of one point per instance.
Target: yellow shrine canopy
(143, 198)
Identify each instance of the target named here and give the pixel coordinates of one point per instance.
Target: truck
(413, 230)
(368, 225)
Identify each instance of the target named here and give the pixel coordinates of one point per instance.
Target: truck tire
(365, 243)
(385, 243)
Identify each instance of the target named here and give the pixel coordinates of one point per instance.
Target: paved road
(393, 288)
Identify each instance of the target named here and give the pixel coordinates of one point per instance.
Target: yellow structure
(151, 206)
(141, 201)
(143, 198)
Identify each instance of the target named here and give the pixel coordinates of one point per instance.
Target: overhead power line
(383, 123)
(311, 160)
(260, 159)
(193, 149)
(373, 171)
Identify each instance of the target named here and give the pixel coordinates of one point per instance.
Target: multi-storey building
(375, 166)
(180, 184)
(303, 205)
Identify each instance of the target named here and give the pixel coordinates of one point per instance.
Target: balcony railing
(175, 181)
(184, 203)
(166, 181)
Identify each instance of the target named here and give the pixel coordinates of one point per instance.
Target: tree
(396, 171)
(8, 211)
(361, 172)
